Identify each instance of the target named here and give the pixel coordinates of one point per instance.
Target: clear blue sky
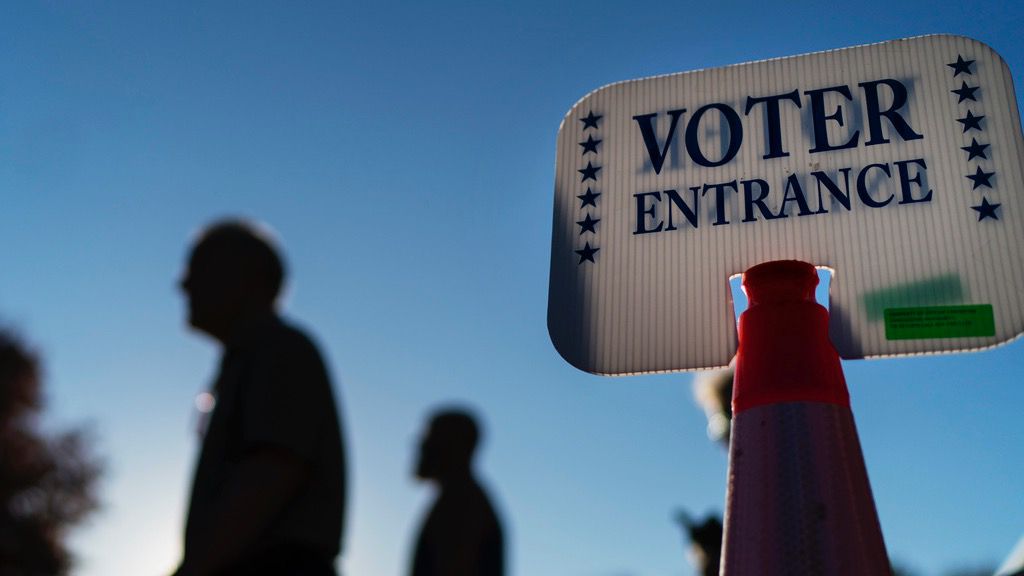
(405, 156)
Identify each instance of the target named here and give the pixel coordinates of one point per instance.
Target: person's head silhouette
(234, 273)
(446, 451)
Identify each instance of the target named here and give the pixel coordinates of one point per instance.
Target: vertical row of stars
(588, 225)
(970, 122)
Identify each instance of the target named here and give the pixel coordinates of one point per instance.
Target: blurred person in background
(268, 495)
(462, 535)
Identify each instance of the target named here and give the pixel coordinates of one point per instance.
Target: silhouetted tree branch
(47, 483)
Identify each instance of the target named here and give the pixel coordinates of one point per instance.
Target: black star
(965, 92)
(961, 65)
(590, 121)
(589, 173)
(589, 198)
(587, 253)
(970, 121)
(975, 150)
(588, 224)
(590, 145)
(986, 210)
(980, 178)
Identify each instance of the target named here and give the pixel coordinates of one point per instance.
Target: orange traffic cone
(798, 501)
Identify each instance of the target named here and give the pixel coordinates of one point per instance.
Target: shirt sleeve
(285, 391)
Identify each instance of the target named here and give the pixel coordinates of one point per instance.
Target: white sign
(897, 165)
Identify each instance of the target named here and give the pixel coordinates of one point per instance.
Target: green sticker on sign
(939, 322)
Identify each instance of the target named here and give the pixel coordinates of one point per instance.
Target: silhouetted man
(268, 497)
(461, 535)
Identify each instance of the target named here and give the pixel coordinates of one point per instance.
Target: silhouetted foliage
(47, 483)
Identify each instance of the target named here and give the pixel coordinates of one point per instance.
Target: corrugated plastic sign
(897, 165)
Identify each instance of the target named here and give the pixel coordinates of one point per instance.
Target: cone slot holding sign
(799, 500)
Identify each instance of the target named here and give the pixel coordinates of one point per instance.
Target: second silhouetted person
(461, 535)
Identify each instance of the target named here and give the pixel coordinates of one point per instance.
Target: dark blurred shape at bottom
(705, 539)
(47, 483)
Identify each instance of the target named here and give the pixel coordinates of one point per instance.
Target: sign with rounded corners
(897, 165)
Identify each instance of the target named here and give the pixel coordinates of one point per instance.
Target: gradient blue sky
(404, 154)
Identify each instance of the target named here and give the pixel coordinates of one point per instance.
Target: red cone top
(785, 354)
